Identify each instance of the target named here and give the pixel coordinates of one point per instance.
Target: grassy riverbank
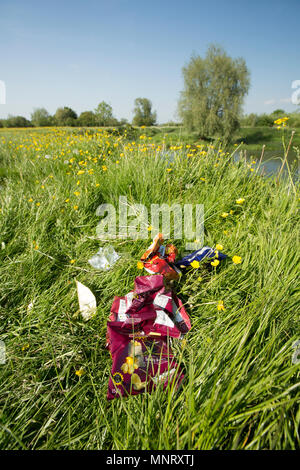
(241, 387)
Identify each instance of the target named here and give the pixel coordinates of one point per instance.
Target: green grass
(241, 389)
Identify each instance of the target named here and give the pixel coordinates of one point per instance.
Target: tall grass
(241, 389)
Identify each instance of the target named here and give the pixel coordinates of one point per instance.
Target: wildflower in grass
(219, 247)
(118, 161)
(78, 183)
(80, 172)
(195, 264)
(67, 200)
(231, 212)
(215, 262)
(38, 204)
(77, 193)
(224, 214)
(121, 154)
(225, 232)
(36, 247)
(25, 346)
(169, 169)
(236, 259)
(75, 208)
(72, 261)
(139, 265)
(97, 185)
(80, 372)
(200, 279)
(241, 200)
(104, 167)
(30, 200)
(202, 179)
(220, 305)
(149, 228)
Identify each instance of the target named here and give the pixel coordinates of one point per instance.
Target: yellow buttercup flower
(80, 372)
(215, 262)
(241, 200)
(224, 214)
(195, 264)
(220, 305)
(140, 265)
(219, 247)
(236, 259)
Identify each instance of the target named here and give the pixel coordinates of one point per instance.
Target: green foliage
(87, 119)
(241, 389)
(17, 121)
(65, 117)
(104, 115)
(264, 120)
(214, 89)
(143, 114)
(40, 117)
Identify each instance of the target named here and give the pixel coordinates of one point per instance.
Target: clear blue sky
(78, 53)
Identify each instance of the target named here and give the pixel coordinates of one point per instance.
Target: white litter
(104, 258)
(87, 301)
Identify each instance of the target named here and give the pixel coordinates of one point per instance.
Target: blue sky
(78, 53)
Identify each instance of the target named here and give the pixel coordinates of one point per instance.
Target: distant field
(241, 387)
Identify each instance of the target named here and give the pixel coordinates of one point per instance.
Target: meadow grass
(241, 389)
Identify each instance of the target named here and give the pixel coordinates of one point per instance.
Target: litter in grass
(139, 331)
(104, 259)
(206, 253)
(159, 259)
(87, 301)
(142, 324)
(296, 353)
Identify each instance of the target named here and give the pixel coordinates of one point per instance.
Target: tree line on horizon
(102, 116)
(210, 103)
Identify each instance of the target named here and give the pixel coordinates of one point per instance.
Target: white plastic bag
(104, 258)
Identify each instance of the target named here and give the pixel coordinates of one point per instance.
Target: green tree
(143, 115)
(40, 117)
(17, 121)
(65, 117)
(104, 115)
(87, 119)
(214, 89)
(279, 112)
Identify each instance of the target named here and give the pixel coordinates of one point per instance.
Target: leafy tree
(264, 120)
(40, 117)
(249, 120)
(17, 121)
(65, 116)
(87, 119)
(279, 112)
(143, 115)
(104, 115)
(214, 89)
